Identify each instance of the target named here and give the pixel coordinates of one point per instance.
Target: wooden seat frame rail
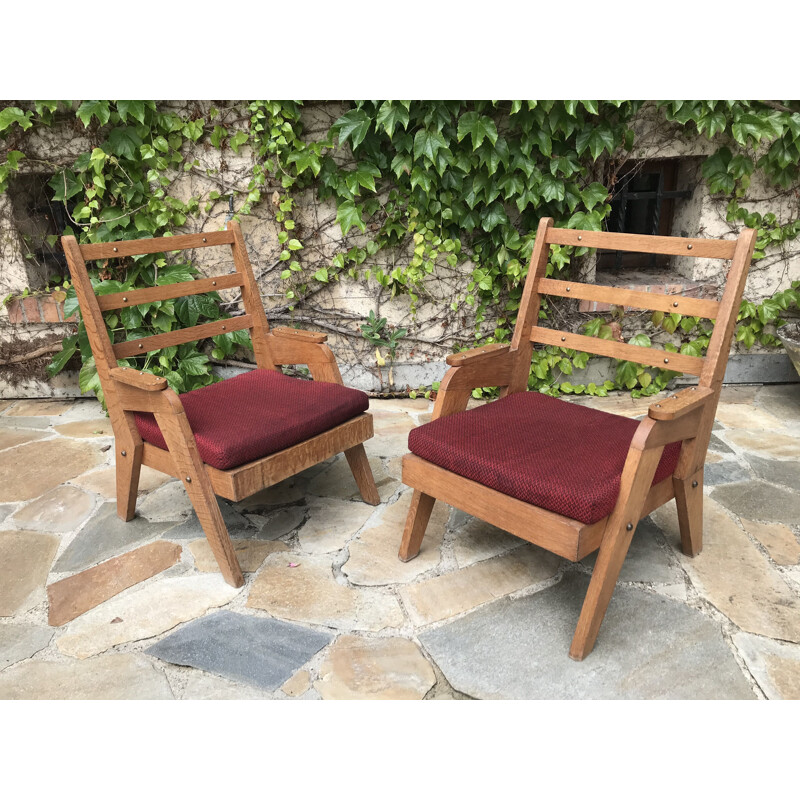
(686, 417)
(129, 390)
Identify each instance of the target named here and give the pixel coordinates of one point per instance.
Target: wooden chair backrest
(92, 306)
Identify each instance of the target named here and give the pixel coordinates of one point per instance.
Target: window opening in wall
(643, 201)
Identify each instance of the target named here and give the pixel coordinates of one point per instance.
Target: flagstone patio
(91, 607)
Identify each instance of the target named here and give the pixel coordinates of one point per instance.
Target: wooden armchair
(566, 477)
(231, 438)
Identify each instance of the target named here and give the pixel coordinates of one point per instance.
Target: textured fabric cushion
(553, 454)
(257, 413)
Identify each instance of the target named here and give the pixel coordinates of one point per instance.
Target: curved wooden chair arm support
(477, 354)
(681, 403)
(140, 380)
(300, 335)
(490, 369)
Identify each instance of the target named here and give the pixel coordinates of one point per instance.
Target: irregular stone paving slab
(283, 493)
(168, 503)
(649, 647)
(739, 394)
(732, 574)
(71, 597)
(777, 445)
(11, 437)
(106, 535)
(202, 686)
(60, 510)
(780, 541)
(712, 457)
(250, 553)
(373, 556)
(356, 668)
(775, 666)
(24, 423)
(104, 481)
(86, 428)
(782, 401)
(33, 469)
(192, 529)
(39, 408)
(144, 612)
(298, 684)
(746, 417)
(771, 470)
(4, 404)
(276, 524)
(761, 501)
(648, 560)
(447, 595)
(726, 472)
(478, 540)
(391, 436)
(18, 642)
(331, 524)
(309, 593)
(402, 405)
(119, 676)
(716, 444)
(25, 558)
(260, 652)
(5, 511)
(338, 481)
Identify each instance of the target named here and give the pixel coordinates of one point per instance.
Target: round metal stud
(694, 484)
(223, 327)
(124, 299)
(629, 526)
(567, 288)
(688, 247)
(658, 405)
(213, 283)
(204, 239)
(140, 347)
(124, 453)
(580, 238)
(675, 304)
(563, 338)
(188, 479)
(115, 250)
(666, 361)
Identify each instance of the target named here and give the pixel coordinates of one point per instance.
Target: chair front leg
(417, 521)
(689, 500)
(362, 472)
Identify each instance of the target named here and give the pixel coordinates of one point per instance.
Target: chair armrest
(477, 354)
(681, 403)
(300, 335)
(139, 380)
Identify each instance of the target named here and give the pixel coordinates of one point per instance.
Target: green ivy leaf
(99, 109)
(427, 144)
(390, 115)
(124, 142)
(478, 127)
(12, 114)
(349, 215)
(353, 126)
(131, 108)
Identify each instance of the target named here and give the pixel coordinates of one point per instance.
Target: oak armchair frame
(687, 416)
(129, 390)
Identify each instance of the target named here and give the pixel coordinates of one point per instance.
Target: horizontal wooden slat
(165, 244)
(137, 347)
(637, 243)
(108, 302)
(628, 352)
(669, 303)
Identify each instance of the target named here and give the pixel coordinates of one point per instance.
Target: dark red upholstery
(553, 454)
(257, 413)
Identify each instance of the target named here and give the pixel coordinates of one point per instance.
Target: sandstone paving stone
(25, 559)
(119, 676)
(18, 642)
(287, 491)
(725, 472)
(86, 428)
(776, 445)
(106, 535)
(298, 684)
(779, 540)
(144, 612)
(39, 408)
(30, 470)
(401, 405)
(261, 652)
(373, 555)
(309, 593)
(357, 668)
(24, 423)
(202, 686)
(63, 509)
(168, 503)
(742, 393)
(782, 401)
(338, 481)
(73, 596)
(773, 470)
(4, 404)
(11, 437)
(275, 524)
(456, 592)
(712, 457)
(731, 574)
(5, 510)
(649, 647)
(717, 445)
(391, 436)
(478, 540)
(647, 560)
(331, 524)
(774, 665)
(746, 417)
(760, 500)
(250, 553)
(103, 481)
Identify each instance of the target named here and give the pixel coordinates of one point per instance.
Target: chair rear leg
(129, 466)
(416, 523)
(359, 464)
(689, 500)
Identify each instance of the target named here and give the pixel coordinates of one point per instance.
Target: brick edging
(42, 308)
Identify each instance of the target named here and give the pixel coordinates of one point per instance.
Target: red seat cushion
(257, 413)
(553, 454)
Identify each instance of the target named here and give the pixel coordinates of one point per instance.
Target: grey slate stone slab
(725, 472)
(718, 446)
(772, 470)
(5, 510)
(18, 642)
(39, 423)
(760, 501)
(647, 560)
(649, 646)
(261, 652)
(106, 535)
(192, 529)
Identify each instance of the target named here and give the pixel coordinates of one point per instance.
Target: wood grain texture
(419, 514)
(134, 297)
(689, 501)
(681, 403)
(359, 466)
(141, 380)
(669, 303)
(477, 354)
(302, 335)
(165, 244)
